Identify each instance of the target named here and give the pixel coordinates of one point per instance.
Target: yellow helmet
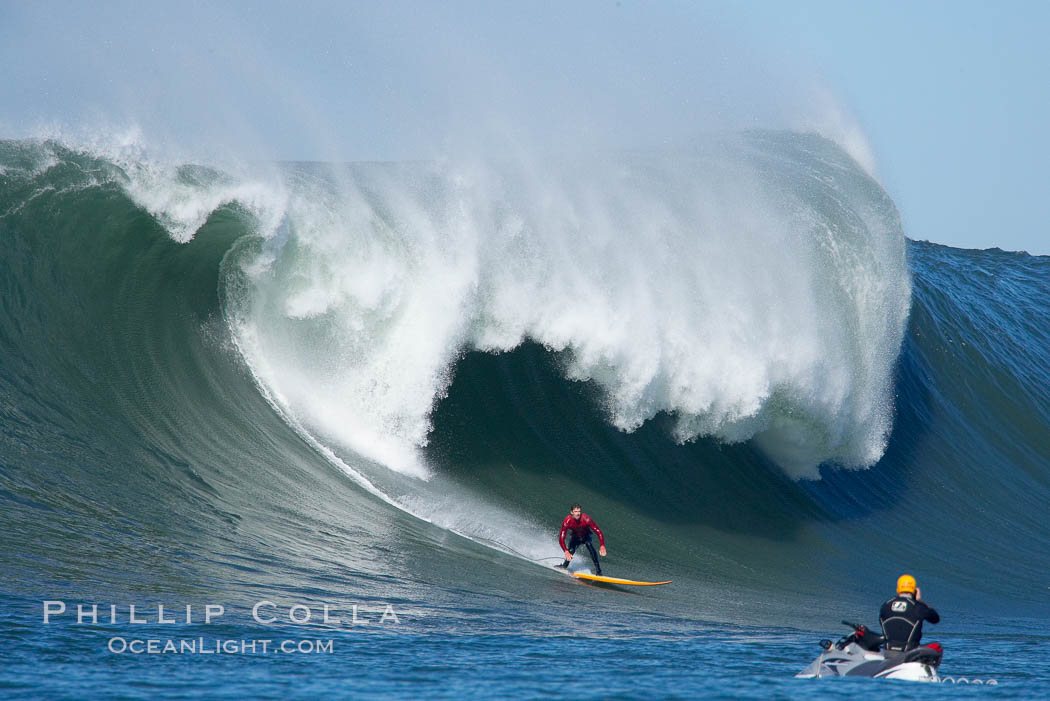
(906, 584)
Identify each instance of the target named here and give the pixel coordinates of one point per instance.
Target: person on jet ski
(580, 525)
(902, 616)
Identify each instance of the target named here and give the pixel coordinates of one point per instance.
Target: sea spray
(751, 287)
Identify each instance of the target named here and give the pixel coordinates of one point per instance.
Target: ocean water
(377, 388)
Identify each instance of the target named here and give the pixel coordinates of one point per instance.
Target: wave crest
(755, 287)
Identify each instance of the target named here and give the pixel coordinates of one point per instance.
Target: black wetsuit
(901, 618)
(575, 542)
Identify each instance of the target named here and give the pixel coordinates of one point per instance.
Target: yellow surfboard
(615, 580)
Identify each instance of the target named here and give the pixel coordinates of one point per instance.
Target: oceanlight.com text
(217, 646)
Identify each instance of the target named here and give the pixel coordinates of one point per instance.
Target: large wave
(753, 287)
(473, 342)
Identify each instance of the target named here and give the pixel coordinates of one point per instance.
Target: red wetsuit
(579, 529)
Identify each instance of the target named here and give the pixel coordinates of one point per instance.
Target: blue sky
(952, 97)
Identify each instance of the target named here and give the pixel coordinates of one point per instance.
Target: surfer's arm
(598, 532)
(561, 535)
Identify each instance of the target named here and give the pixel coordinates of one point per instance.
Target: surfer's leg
(594, 556)
(571, 547)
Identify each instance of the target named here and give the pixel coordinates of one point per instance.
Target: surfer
(580, 525)
(902, 616)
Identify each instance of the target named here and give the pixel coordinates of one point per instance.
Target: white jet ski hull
(854, 661)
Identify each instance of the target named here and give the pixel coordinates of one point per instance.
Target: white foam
(181, 198)
(693, 285)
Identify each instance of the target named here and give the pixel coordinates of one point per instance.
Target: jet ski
(861, 654)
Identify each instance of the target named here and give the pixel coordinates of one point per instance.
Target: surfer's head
(575, 510)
